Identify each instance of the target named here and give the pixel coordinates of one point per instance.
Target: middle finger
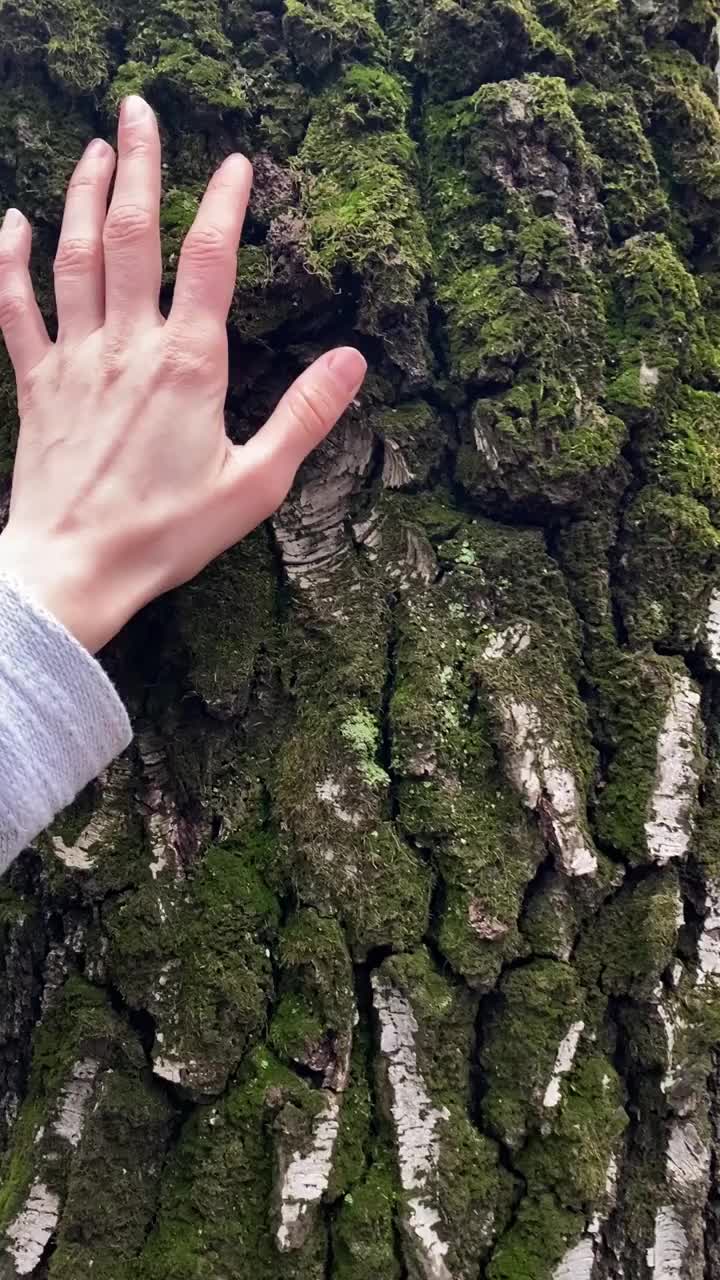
(133, 264)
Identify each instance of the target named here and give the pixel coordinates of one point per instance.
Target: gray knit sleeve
(61, 721)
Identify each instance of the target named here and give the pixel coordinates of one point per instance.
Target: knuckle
(76, 254)
(8, 259)
(183, 362)
(206, 244)
(13, 307)
(29, 385)
(114, 358)
(81, 181)
(310, 408)
(126, 224)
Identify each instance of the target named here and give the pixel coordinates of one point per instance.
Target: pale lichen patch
(306, 1176)
(669, 825)
(416, 1123)
(74, 1100)
(563, 1063)
(547, 786)
(30, 1232)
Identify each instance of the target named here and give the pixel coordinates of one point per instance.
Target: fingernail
(13, 220)
(348, 366)
(96, 148)
(134, 109)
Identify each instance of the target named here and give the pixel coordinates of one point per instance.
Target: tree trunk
(391, 947)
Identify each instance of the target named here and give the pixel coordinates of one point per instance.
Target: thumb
(259, 474)
(308, 410)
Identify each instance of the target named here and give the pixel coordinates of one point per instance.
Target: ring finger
(79, 267)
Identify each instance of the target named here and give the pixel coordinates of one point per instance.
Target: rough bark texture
(391, 948)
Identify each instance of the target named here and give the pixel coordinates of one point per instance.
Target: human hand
(125, 482)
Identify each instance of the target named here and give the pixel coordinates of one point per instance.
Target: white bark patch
(171, 1069)
(74, 1101)
(487, 927)
(563, 1063)
(688, 1157)
(416, 1122)
(670, 1246)
(509, 641)
(547, 786)
(679, 1226)
(310, 525)
(717, 66)
(578, 1263)
(649, 377)
(709, 940)
(32, 1229)
(78, 855)
(712, 630)
(307, 1175)
(81, 855)
(669, 825)
(486, 446)
(168, 837)
(396, 471)
(669, 1028)
(332, 794)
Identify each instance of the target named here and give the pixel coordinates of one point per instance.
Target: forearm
(61, 721)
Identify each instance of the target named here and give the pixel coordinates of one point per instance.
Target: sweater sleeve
(61, 720)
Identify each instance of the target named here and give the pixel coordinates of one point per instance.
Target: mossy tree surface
(390, 948)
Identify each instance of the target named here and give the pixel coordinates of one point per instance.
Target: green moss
(205, 976)
(474, 1193)
(216, 1202)
(520, 284)
(537, 1240)
(358, 169)
(38, 162)
(632, 195)
(73, 40)
(295, 1028)
(445, 1011)
(681, 102)
(78, 1024)
(320, 32)
(538, 1004)
(672, 548)
(452, 794)
(634, 691)
(112, 1190)
(360, 1147)
(505, 33)
(363, 1234)
(587, 1128)
(341, 838)
(225, 619)
(181, 73)
(656, 303)
(313, 1022)
(633, 938)
(415, 437)
(684, 456)
(17, 1165)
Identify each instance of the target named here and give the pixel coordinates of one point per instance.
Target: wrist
(68, 586)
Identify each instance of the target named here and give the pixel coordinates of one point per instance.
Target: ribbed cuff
(61, 720)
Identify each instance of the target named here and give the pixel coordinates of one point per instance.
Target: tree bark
(391, 947)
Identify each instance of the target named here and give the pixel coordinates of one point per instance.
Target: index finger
(208, 260)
